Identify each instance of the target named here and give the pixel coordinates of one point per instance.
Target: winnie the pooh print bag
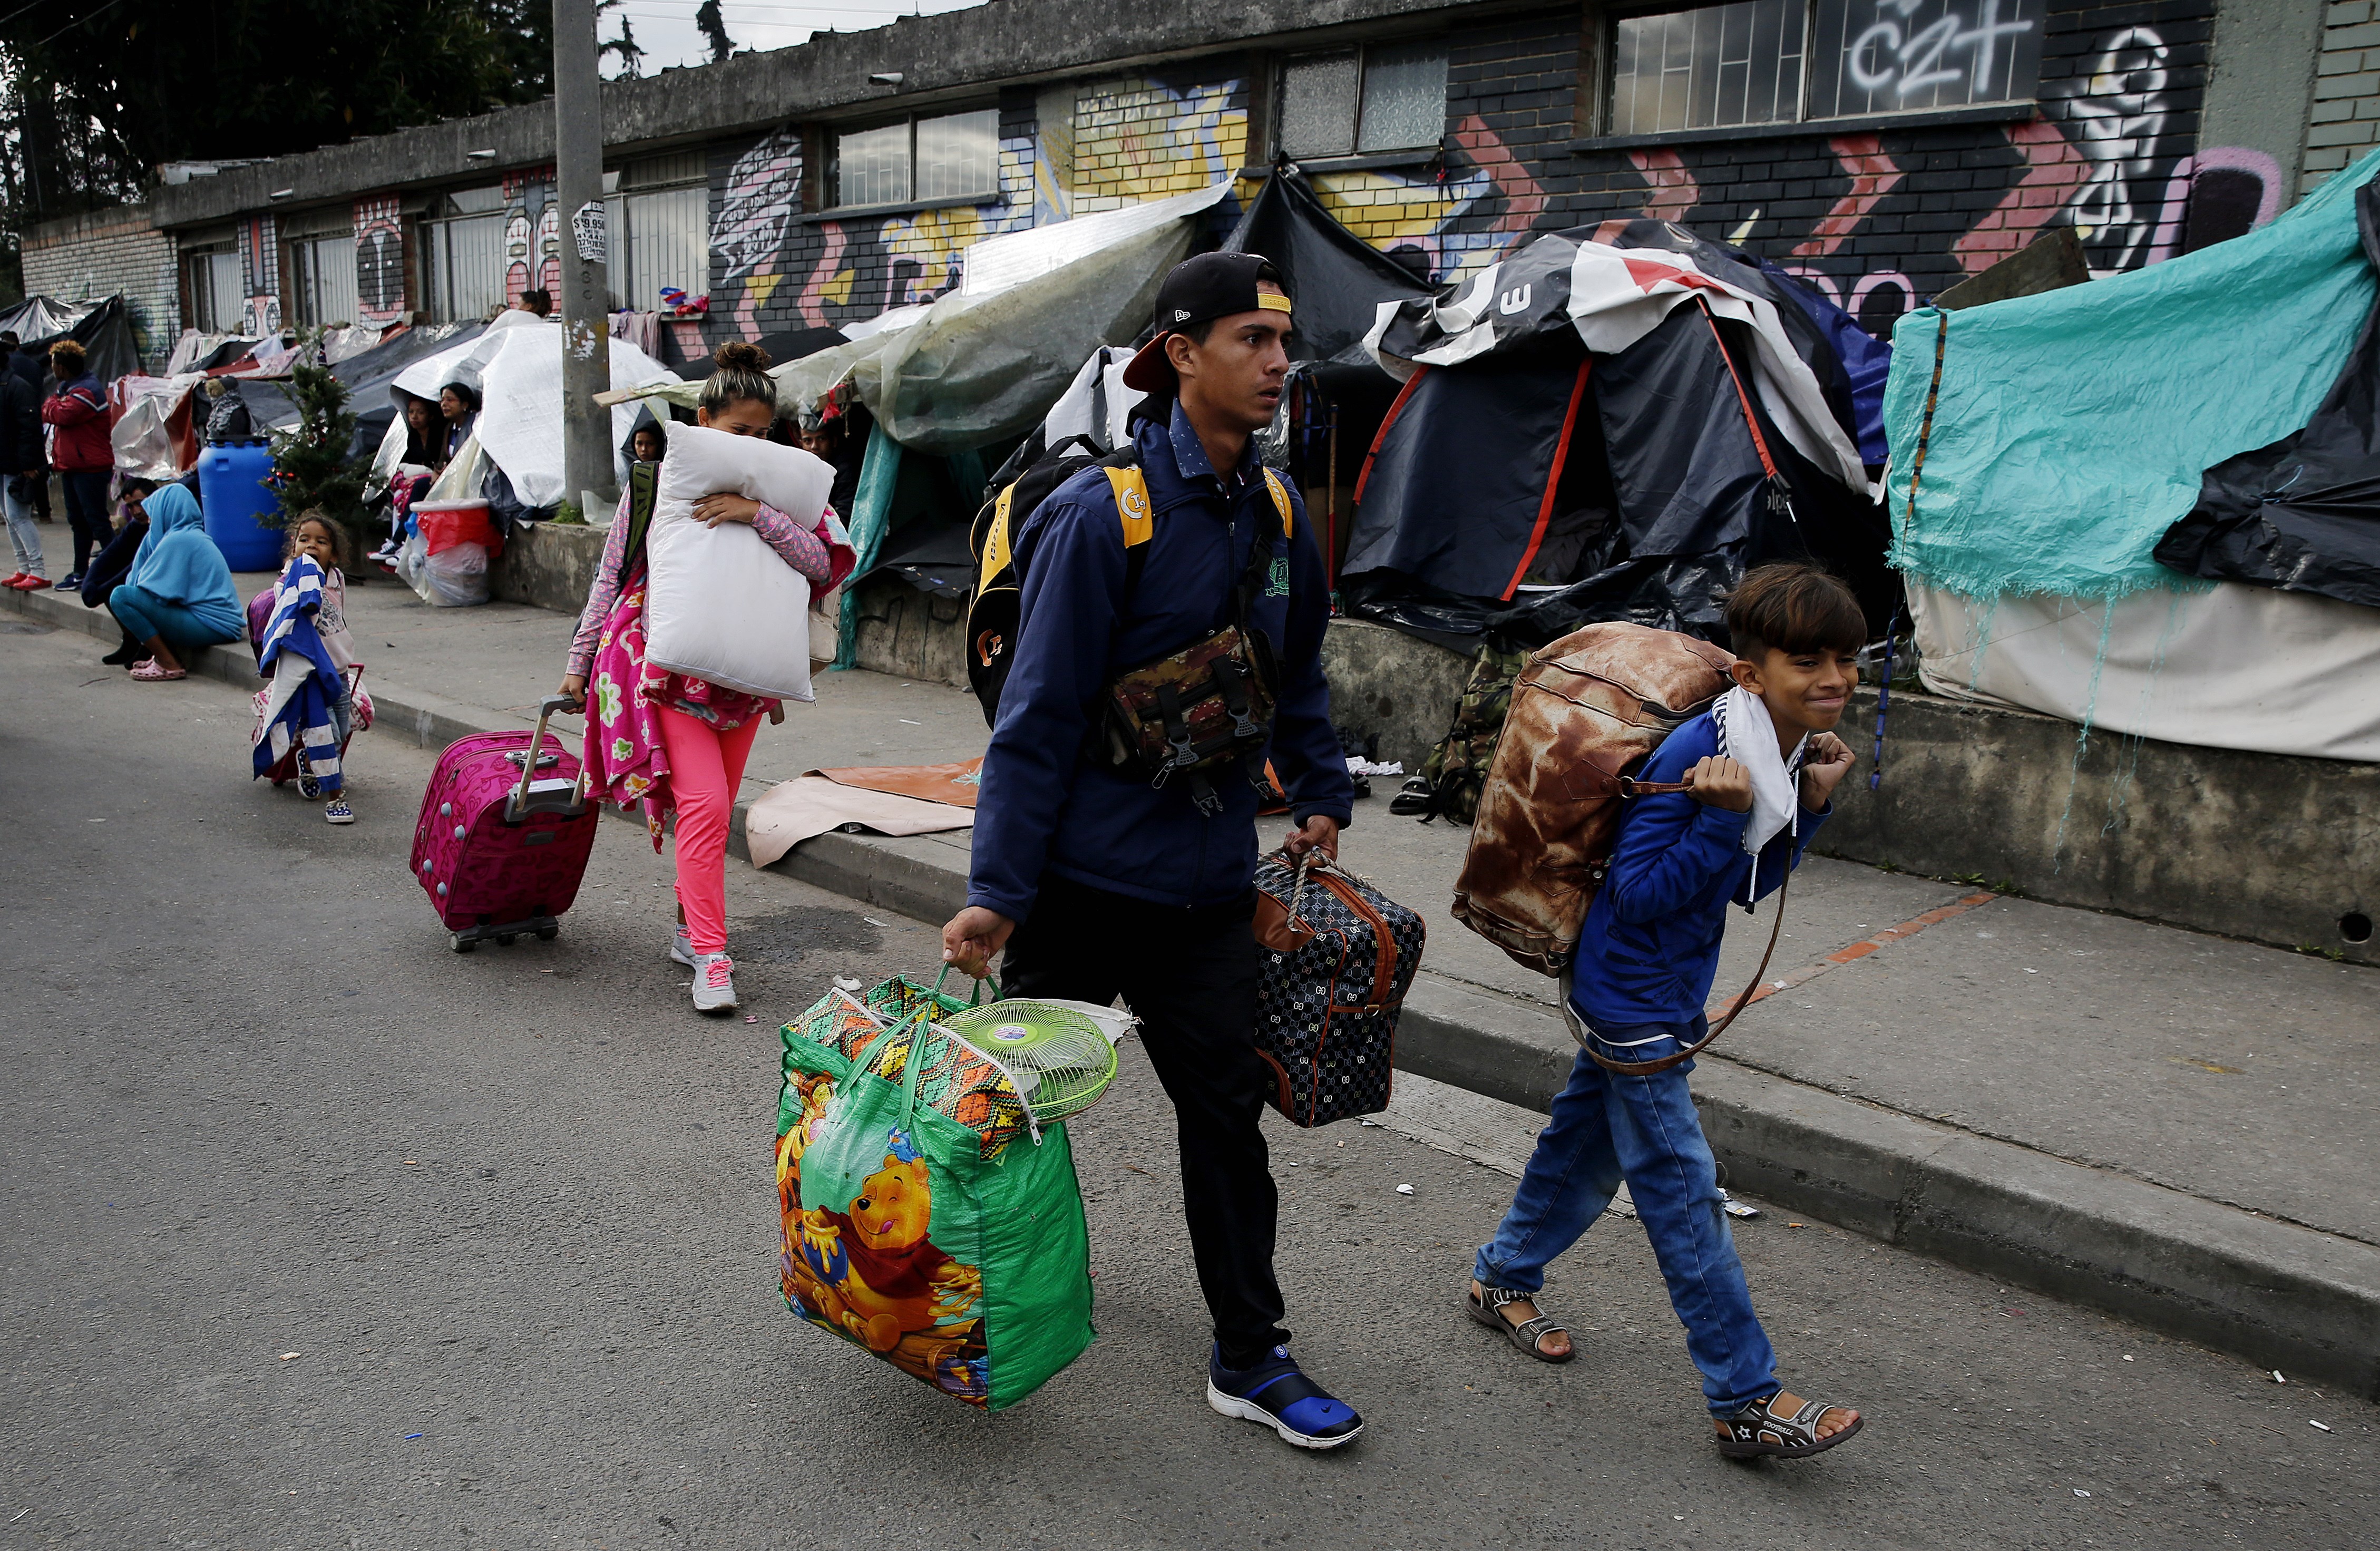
(953, 1248)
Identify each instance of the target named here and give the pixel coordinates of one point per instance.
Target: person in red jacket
(84, 453)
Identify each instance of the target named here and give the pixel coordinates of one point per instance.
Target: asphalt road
(519, 1204)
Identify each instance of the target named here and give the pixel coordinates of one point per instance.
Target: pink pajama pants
(706, 766)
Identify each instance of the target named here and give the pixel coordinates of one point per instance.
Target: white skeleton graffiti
(2116, 123)
(763, 193)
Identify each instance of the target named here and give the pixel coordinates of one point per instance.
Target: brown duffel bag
(1585, 712)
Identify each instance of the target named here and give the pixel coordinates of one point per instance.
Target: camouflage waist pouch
(1208, 705)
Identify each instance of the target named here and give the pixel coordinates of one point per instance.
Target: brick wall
(111, 250)
(2346, 91)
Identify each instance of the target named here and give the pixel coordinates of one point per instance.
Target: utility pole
(585, 321)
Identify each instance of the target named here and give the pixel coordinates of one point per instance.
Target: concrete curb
(2280, 1295)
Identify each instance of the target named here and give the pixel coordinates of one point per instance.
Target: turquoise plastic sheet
(871, 515)
(2072, 426)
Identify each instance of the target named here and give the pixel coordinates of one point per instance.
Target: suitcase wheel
(463, 944)
(547, 934)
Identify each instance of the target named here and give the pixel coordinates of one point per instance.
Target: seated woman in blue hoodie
(178, 594)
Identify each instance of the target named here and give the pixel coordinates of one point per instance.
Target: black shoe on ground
(126, 655)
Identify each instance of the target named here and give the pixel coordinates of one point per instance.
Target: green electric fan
(1056, 1058)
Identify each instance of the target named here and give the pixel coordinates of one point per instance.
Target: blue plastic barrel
(236, 505)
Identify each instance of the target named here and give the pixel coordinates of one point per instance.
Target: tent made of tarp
(2073, 431)
(102, 328)
(983, 362)
(516, 368)
(368, 374)
(1611, 424)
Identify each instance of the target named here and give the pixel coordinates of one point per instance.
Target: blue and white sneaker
(1275, 1393)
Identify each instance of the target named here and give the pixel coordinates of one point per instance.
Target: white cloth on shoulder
(1747, 734)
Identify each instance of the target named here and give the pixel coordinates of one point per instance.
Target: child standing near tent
(1763, 763)
(307, 651)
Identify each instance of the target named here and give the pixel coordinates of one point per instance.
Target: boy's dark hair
(1790, 607)
(339, 546)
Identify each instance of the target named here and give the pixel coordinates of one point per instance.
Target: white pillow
(721, 605)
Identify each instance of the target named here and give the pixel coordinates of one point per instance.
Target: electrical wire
(77, 22)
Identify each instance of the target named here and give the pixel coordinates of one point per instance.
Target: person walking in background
(674, 743)
(21, 470)
(31, 367)
(83, 453)
(178, 594)
(306, 649)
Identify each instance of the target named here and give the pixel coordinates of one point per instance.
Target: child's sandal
(1783, 1427)
(1488, 1310)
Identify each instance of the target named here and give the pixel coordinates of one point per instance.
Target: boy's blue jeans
(1606, 1128)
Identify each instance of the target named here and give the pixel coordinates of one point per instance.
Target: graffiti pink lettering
(1525, 198)
(1674, 189)
(1873, 175)
(823, 271)
(2055, 170)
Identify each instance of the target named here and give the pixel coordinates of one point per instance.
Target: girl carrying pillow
(671, 742)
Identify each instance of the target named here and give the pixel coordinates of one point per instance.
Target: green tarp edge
(2072, 426)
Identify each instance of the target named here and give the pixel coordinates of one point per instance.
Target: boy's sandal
(152, 672)
(1783, 1427)
(1489, 1311)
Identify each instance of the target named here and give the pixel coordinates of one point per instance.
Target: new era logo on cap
(1181, 315)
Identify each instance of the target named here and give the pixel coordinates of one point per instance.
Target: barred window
(950, 156)
(1780, 61)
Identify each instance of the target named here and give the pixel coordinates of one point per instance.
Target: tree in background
(313, 468)
(632, 54)
(713, 24)
(90, 107)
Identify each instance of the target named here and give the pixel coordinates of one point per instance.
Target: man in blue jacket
(1099, 884)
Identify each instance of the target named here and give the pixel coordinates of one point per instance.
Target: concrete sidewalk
(2163, 1125)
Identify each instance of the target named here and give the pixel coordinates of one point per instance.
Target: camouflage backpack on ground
(1450, 777)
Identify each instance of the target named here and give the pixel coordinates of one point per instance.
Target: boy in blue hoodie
(1763, 762)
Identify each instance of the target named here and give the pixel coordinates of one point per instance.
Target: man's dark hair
(8, 339)
(539, 302)
(1790, 607)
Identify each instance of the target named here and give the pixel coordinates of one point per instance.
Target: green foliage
(89, 106)
(566, 515)
(312, 471)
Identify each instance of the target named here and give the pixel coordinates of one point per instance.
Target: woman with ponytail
(671, 742)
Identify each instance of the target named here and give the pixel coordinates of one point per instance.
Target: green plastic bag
(954, 1251)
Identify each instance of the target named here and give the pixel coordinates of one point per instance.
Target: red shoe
(12, 579)
(33, 584)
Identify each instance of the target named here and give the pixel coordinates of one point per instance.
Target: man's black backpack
(1000, 567)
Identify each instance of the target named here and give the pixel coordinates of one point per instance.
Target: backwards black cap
(1210, 286)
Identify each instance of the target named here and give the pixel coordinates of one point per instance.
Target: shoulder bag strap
(643, 481)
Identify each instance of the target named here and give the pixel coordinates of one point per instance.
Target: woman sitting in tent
(459, 403)
(671, 742)
(178, 594)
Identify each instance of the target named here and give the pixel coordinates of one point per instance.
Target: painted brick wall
(2346, 91)
(108, 251)
(1876, 219)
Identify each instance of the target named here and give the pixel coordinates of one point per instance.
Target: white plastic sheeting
(2238, 667)
(986, 361)
(516, 367)
(1096, 403)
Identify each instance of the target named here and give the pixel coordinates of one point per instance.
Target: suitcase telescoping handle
(553, 796)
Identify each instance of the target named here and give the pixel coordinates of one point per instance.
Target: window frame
(1595, 130)
(197, 262)
(433, 233)
(830, 205)
(1356, 158)
(301, 269)
(643, 179)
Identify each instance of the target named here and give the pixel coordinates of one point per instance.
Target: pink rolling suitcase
(503, 840)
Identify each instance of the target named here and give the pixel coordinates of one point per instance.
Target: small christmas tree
(313, 465)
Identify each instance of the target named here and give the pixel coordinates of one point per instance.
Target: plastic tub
(445, 524)
(236, 506)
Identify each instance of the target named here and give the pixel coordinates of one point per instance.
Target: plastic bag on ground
(452, 578)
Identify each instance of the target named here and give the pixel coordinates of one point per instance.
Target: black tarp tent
(2303, 512)
(369, 375)
(1537, 486)
(102, 328)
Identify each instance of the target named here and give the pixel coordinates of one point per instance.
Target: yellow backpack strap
(995, 543)
(1280, 500)
(1132, 505)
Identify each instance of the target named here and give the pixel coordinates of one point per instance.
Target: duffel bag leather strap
(1646, 1067)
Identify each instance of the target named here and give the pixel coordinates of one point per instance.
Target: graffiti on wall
(532, 234)
(380, 261)
(260, 268)
(747, 240)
